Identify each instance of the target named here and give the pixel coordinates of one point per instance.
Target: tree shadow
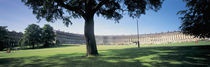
(194, 56)
(42, 47)
(168, 56)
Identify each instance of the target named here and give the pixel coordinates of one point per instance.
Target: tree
(48, 35)
(196, 19)
(23, 42)
(32, 35)
(3, 37)
(65, 10)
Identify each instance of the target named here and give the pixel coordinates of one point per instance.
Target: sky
(17, 16)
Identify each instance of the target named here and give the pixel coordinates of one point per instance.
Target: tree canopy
(3, 37)
(32, 35)
(196, 19)
(48, 35)
(65, 10)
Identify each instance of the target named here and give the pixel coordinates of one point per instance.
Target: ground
(161, 55)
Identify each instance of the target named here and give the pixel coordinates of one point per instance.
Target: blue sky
(15, 15)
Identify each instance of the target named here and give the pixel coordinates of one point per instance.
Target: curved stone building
(69, 38)
(155, 38)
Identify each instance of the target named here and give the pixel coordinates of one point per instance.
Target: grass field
(161, 55)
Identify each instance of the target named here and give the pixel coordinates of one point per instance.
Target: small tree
(3, 37)
(23, 42)
(48, 35)
(196, 19)
(32, 35)
(52, 10)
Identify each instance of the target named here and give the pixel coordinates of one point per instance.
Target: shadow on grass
(55, 46)
(195, 56)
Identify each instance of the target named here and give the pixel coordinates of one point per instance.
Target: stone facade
(155, 38)
(69, 38)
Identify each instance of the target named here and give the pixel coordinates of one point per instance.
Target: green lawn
(161, 55)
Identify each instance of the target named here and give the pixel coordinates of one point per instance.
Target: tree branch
(98, 6)
(77, 10)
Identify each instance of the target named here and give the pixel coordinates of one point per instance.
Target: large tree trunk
(89, 36)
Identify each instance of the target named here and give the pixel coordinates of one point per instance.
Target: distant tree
(32, 35)
(23, 42)
(3, 37)
(196, 19)
(52, 10)
(20, 42)
(48, 35)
